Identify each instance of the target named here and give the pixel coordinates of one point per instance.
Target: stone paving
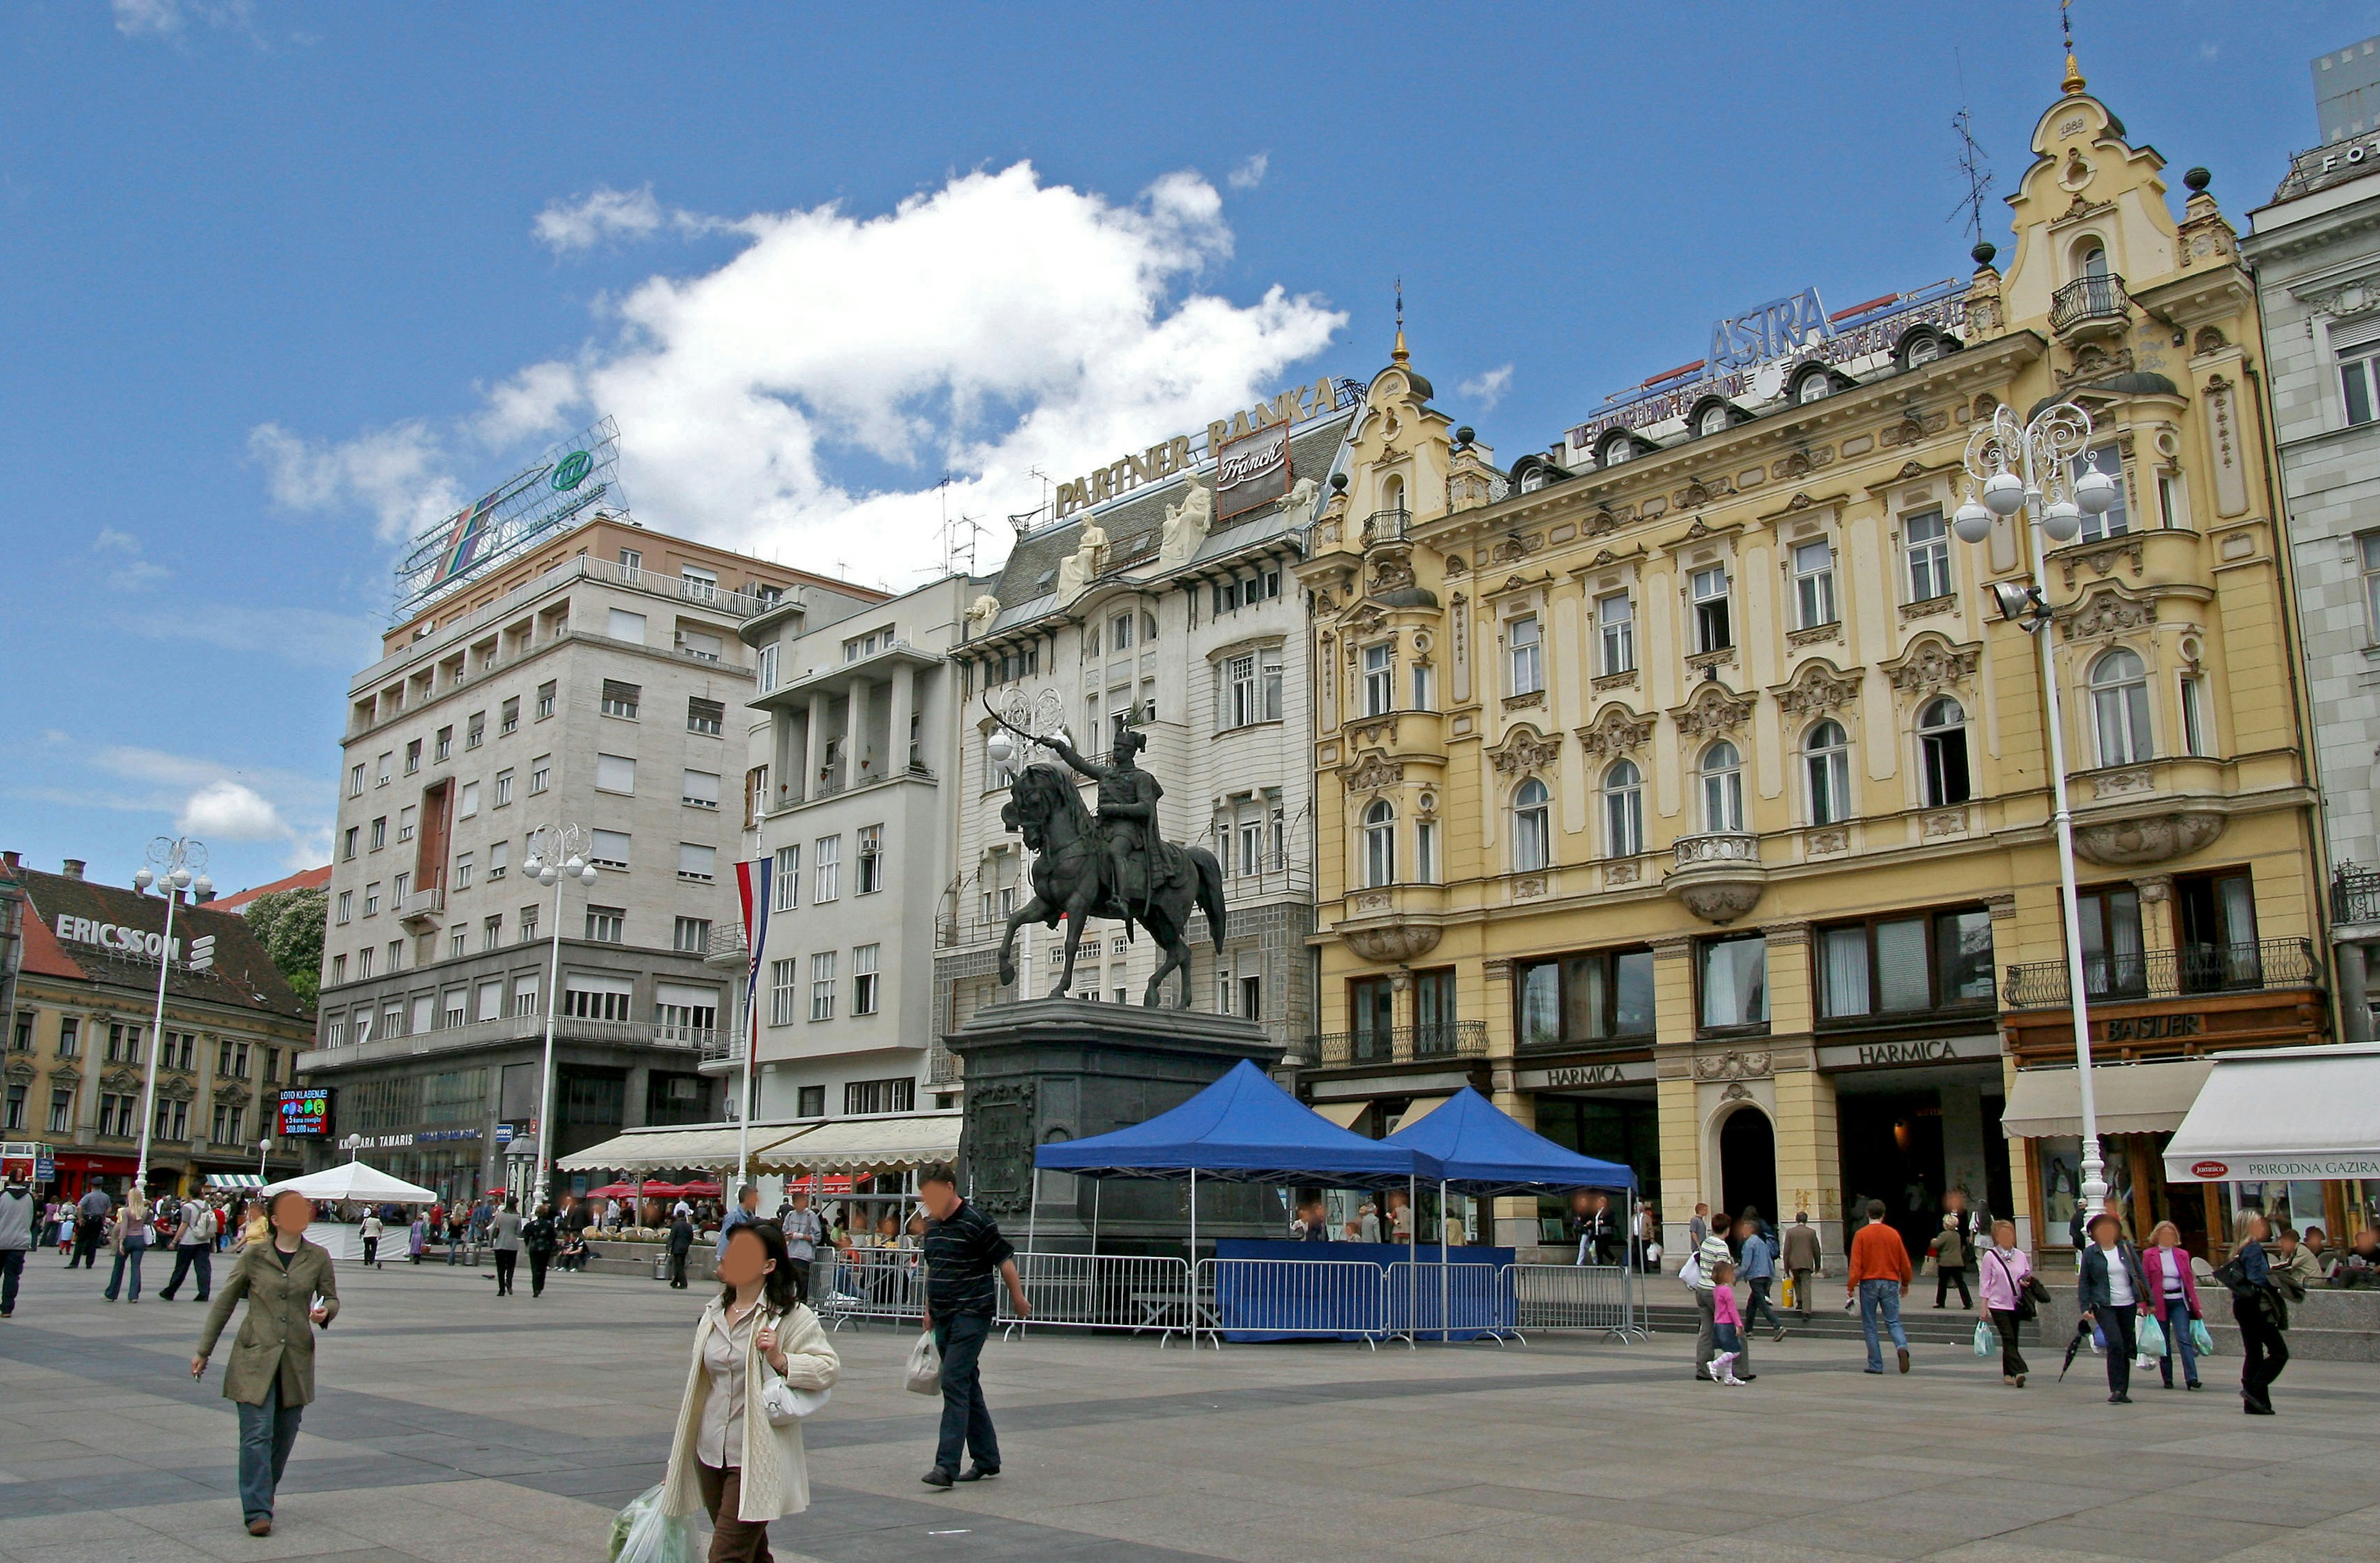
(456, 1427)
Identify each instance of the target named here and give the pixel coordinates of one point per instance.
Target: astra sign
(1771, 331)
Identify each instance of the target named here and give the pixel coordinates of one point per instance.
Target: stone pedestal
(1066, 1069)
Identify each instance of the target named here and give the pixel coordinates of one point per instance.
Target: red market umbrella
(611, 1191)
(700, 1189)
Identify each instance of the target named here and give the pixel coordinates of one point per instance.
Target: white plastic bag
(642, 1534)
(925, 1374)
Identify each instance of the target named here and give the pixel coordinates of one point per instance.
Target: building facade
(77, 1063)
(1681, 788)
(1166, 603)
(2315, 247)
(591, 681)
(852, 742)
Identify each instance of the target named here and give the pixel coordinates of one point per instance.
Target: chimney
(74, 868)
(9, 858)
(199, 898)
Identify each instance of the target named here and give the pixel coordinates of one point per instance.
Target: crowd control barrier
(1583, 1297)
(1116, 1292)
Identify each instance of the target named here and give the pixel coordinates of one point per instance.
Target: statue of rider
(1137, 855)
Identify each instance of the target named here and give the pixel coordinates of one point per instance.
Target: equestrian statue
(1110, 865)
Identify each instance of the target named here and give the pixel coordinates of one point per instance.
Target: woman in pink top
(2001, 1274)
(2173, 1297)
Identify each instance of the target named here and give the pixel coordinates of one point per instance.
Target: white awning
(1421, 1107)
(1344, 1114)
(648, 1150)
(895, 1143)
(2290, 1112)
(2131, 1098)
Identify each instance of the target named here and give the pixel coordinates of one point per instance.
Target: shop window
(1905, 965)
(1531, 826)
(1826, 761)
(1734, 978)
(1579, 999)
(1942, 746)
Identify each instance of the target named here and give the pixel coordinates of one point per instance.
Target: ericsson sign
(138, 943)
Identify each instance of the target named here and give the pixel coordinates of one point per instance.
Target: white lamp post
(175, 863)
(2027, 466)
(556, 855)
(263, 1148)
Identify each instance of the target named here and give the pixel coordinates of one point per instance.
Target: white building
(592, 679)
(2315, 247)
(852, 741)
(1167, 611)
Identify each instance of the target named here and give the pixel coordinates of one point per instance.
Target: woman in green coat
(270, 1374)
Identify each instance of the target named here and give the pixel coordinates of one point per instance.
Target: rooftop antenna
(1973, 162)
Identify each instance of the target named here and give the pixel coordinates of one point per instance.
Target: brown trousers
(732, 1540)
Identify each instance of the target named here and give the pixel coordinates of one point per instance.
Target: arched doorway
(1747, 1163)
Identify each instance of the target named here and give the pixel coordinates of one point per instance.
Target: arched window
(1617, 448)
(1392, 493)
(1812, 386)
(1623, 810)
(1722, 789)
(1713, 420)
(1923, 347)
(1379, 844)
(1826, 758)
(2119, 708)
(1532, 845)
(1942, 746)
(2093, 260)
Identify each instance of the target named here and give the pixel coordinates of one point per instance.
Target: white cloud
(129, 571)
(606, 213)
(1249, 174)
(227, 811)
(1487, 389)
(163, 18)
(985, 328)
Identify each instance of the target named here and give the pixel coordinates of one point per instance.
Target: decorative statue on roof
(1185, 526)
(981, 612)
(1297, 505)
(1113, 864)
(1080, 568)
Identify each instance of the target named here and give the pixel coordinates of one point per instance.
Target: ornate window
(1623, 810)
(2119, 708)
(1826, 759)
(1942, 746)
(1712, 630)
(1531, 826)
(1379, 844)
(1926, 543)
(1528, 668)
(1615, 617)
(2117, 520)
(1813, 583)
(1722, 778)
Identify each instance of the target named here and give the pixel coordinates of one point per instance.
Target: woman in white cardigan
(726, 1456)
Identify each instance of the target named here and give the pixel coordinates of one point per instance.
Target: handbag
(785, 1405)
(925, 1368)
(1987, 1340)
(2027, 1307)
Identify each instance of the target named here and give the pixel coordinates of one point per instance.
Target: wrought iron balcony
(2355, 894)
(1730, 846)
(2167, 974)
(2090, 304)
(1388, 526)
(1403, 1044)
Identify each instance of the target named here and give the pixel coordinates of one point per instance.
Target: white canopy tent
(2283, 1114)
(356, 1181)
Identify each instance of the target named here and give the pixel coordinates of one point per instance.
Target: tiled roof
(243, 974)
(44, 956)
(313, 879)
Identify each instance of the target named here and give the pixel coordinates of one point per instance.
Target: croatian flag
(752, 887)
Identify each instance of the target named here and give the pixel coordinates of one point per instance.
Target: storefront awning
(865, 1145)
(235, 1180)
(2290, 1112)
(2131, 1098)
(1342, 1113)
(1419, 1108)
(645, 1150)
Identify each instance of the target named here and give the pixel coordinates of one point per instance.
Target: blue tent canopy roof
(1483, 1151)
(1244, 1128)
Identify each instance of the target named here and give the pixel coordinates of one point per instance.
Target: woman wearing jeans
(2000, 1284)
(272, 1370)
(2114, 1294)
(2173, 1298)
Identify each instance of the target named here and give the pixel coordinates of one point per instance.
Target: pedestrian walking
(2173, 1298)
(1878, 1275)
(728, 1454)
(270, 1374)
(748, 1208)
(1757, 1265)
(91, 1212)
(370, 1230)
(803, 1231)
(2261, 1314)
(1951, 1259)
(1699, 1228)
(2113, 1293)
(16, 1240)
(194, 1251)
(1698, 1273)
(2004, 1291)
(1802, 1258)
(964, 1252)
(681, 1244)
(416, 1239)
(129, 1236)
(1727, 1326)
(537, 1240)
(504, 1242)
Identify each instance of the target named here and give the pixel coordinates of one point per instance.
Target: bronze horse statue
(1079, 858)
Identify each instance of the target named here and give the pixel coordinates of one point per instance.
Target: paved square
(456, 1427)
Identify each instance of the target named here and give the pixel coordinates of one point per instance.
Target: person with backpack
(539, 1238)
(2005, 1292)
(194, 1248)
(2261, 1314)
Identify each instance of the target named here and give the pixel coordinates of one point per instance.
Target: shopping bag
(925, 1371)
(2098, 1336)
(1785, 1293)
(1987, 1340)
(642, 1534)
(2200, 1339)
(2152, 1338)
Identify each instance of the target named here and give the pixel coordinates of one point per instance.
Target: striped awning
(235, 1180)
(891, 1143)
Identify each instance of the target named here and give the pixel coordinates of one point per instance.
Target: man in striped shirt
(964, 1252)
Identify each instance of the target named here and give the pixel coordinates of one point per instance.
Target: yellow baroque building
(1682, 788)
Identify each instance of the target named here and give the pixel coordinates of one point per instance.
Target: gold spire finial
(2074, 82)
(1398, 354)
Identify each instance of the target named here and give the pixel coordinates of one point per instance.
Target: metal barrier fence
(1290, 1298)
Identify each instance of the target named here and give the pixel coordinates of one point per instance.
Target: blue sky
(282, 281)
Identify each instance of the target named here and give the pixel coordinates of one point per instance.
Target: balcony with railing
(693, 1040)
(1716, 876)
(2191, 970)
(2089, 306)
(1402, 1044)
(1388, 526)
(421, 903)
(2354, 894)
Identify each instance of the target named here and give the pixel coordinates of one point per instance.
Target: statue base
(1066, 1069)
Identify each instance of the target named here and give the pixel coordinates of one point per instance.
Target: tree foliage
(291, 923)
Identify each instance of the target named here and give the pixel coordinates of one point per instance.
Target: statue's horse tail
(1211, 891)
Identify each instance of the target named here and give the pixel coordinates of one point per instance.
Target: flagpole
(753, 883)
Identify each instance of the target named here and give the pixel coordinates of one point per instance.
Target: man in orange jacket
(1880, 1278)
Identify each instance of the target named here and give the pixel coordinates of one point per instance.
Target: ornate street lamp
(175, 864)
(557, 856)
(2029, 467)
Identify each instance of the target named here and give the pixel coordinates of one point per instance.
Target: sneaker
(1904, 1358)
(1716, 1370)
(1779, 1335)
(977, 1471)
(937, 1477)
(1732, 1379)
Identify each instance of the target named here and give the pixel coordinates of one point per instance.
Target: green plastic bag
(642, 1534)
(1987, 1340)
(2152, 1338)
(2200, 1339)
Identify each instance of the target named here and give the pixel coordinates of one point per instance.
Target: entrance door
(1372, 1013)
(1747, 1163)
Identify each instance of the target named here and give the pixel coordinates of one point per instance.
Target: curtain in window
(1846, 966)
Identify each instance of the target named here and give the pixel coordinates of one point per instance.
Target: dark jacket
(538, 1237)
(2091, 1292)
(681, 1236)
